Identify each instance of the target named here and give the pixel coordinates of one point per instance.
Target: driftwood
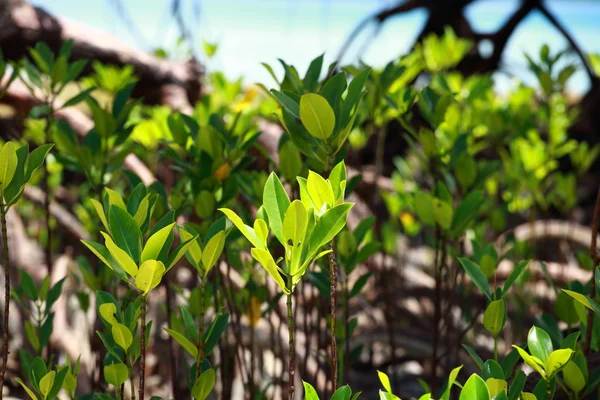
(19, 97)
(23, 25)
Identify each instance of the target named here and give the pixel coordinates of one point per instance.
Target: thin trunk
(48, 199)
(201, 328)
(143, 349)
(594, 255)
(346, 329)
(332, 298)
(437, 311)
(5, 261)
(172, 348)
(292, 354)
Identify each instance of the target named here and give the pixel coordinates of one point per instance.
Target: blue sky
(251, 32)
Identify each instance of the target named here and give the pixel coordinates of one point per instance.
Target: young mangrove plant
(319, 125)
(17, 166)
(302, 227)
(199, 342)
(140, 256)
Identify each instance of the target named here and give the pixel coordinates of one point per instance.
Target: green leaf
(212, 251)
(79, 97)
(262, 230)
(495, 317)
(108, 311)
(477, 276)
(385, 381)
(194, 251)
(29, 391)
(125, 231)
(320, 192)
(424, 207)
(155, 243)
(122, 335)
(275, 203)
(336, 179)
(116, 374)
(585, 300)
(474, 389)
(46, 383)
(204, 385)
(539, 343)
(451, 380)
(104, 255)
(342, 393)
(557, 361)
(497, 388)
(214, 332)
(532, 361)
(36, 159)
(100, 211)
(514, 275)
(149, 275)
(246, 230)
(37, 371)
(317, 116)
(142, 211)
(28, 286)
(180, 252)
(32, 336)
(287, 102)
(183, 342)
(473, 355)
(290, 162)
(115, 199)
(8, 164)
(188, 321)
(442, 213)
(491, 369)
(575, 373)
(359, 284)
(466, 211)
(329, 225)
(294, 224)
(265, 259)
(309, 392)
(121, 256)
(517, 385)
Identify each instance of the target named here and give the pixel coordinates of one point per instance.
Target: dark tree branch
(552, 19)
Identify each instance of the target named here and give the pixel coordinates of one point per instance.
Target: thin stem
(252, 360)
(594, 255)
(172, 348)
(333, 300)
(200, 359)
(5, 261)
(548, 390)
(346, 328)
(436, 311)
(47, 215)
(496, 347)
(143, 348)
(292, 348)
(132, 387)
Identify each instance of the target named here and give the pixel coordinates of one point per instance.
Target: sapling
(46, 78)
(17, 166)
(302, 227)
(203, 260)
(319, 125)
(140, 267)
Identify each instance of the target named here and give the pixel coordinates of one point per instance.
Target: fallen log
(22, 25)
